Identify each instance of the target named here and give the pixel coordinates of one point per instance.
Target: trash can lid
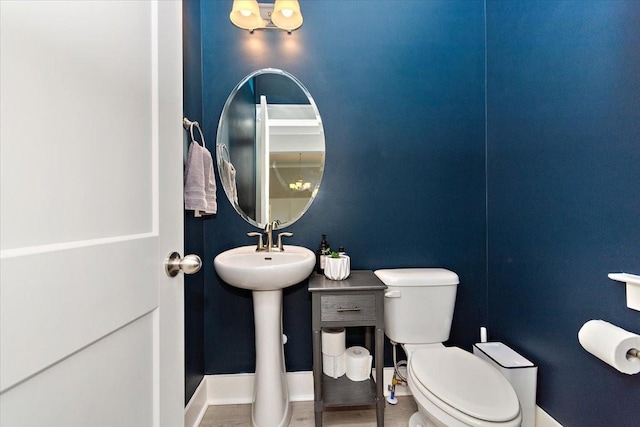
(503, 355)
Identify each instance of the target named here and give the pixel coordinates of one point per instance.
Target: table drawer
(360, 307)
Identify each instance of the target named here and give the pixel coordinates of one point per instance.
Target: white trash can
(521, 373)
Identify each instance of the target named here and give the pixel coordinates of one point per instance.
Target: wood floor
(303, 416)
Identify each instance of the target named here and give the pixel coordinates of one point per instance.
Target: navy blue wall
(402, 100)
(564, 192)
(193, 227)
(402, 96)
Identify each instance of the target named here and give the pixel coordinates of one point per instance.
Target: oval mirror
(270, 148)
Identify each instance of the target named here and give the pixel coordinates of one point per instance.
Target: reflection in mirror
(270, 148)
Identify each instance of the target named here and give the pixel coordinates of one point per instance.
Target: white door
(91, 328)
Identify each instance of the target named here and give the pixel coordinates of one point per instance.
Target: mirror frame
(222, 149)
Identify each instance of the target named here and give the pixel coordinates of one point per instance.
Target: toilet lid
(466, 383)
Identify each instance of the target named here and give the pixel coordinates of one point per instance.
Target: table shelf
(355, 301)
(342, 392)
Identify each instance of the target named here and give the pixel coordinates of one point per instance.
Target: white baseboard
(197, 406)
(545, 420)
(231, 389)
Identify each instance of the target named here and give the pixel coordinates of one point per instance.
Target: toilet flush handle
(392, 294)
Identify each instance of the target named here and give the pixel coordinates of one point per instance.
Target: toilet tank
(418, 304)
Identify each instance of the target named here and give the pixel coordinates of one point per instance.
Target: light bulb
(245, 12)
(286, 15)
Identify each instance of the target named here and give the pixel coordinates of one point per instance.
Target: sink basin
(245, 268)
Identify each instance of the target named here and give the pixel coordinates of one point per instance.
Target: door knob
(189, 264)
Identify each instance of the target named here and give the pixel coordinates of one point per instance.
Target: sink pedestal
(271, 407)
(266, 274)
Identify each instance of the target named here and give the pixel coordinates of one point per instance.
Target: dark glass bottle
(321, 254)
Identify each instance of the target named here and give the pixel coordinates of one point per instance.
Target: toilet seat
(464, 386)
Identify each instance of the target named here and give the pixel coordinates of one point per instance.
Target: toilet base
(418, 419)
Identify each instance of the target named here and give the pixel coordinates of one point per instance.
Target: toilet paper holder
(613, 345)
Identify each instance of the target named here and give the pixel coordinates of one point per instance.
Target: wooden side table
(356, 301)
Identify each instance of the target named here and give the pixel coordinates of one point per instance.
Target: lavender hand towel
(194, 179)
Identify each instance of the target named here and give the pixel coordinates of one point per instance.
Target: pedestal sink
(266, 274)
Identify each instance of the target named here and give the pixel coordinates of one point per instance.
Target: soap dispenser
(321, 254)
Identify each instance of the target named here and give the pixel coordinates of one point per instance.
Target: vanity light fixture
(251, 15)
(300, 185)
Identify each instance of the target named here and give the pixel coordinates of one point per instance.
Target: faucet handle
(280, 236)
(259, 236)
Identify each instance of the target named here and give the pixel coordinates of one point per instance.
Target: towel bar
(189, 125)
(186, 123)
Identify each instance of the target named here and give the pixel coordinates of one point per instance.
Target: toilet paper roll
(358, 363)
(333, 341)
(610, 344)
(334, 366)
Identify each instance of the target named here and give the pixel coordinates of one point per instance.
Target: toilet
(452, 387)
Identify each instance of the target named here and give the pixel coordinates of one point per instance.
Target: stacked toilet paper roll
(333, 352)
(611, 344)
(358, 363)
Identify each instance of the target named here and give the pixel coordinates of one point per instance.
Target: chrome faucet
(269, 246)
(268, 229)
